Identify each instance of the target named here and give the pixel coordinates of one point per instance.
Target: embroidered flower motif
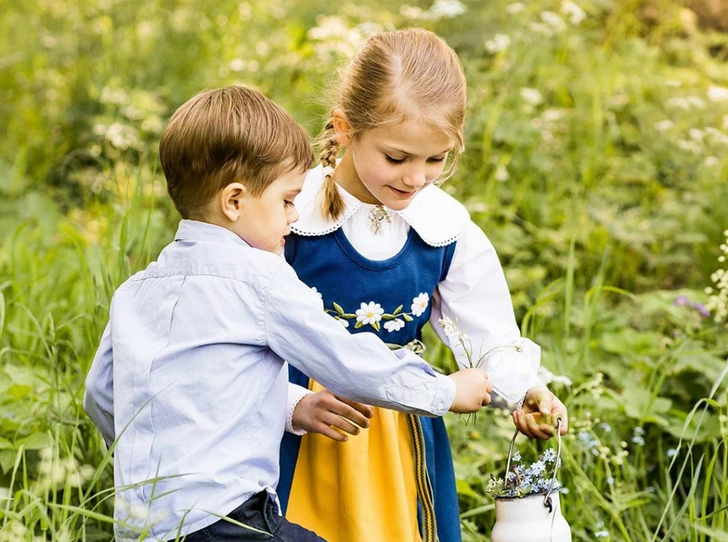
(419, 304)
(394, 325)
(369, 313)
(343, 322)
(314, 290)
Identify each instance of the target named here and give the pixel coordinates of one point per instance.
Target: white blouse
(474, 294)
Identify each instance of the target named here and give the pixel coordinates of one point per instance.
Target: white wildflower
(553, 20)
(501, 173)
(515, 7)
(531, 96)
(419, 304)
(547, 377)
(445, 9)
(696, 102)
(540, 28)
(664, 125)
(717, 94)
(449, 327)
(499, 43)
(573, 12)
(696, 134)
(369, 313)
(689, 146)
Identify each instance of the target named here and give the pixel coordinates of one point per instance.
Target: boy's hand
(323, 412)
(537, 417)
(472, 390)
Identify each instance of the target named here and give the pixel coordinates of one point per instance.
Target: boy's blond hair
(226, 135)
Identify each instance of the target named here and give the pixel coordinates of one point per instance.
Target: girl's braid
(333, 204)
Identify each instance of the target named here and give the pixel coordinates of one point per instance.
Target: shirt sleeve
(357, 366)
(98, 398)
(475, 298)
(295, 394)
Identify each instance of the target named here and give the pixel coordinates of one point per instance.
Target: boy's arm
(359, 367)
(98, 399)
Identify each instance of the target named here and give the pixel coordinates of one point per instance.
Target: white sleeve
(295, 394)
(475, 296)
(357, 366)
(98, 398)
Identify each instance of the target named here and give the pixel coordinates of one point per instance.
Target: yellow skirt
(362, 490)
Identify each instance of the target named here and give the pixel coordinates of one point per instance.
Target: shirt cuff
(295, 394)
(444, 395)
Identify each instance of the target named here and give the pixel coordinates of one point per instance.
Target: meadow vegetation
(595, 161)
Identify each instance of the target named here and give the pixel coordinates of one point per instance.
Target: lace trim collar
(438, 218)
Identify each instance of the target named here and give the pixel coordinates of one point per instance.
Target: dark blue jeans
(260, 513)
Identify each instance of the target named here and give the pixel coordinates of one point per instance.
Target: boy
(189, 378)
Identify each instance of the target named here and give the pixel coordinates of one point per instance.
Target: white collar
(438, 218)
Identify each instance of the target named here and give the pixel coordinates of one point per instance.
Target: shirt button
(439, 406)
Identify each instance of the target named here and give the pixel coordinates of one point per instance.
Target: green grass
(603, 213)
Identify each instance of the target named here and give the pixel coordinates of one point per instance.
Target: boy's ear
(342, 128)
(230, 200)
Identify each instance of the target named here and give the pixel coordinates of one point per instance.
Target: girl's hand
(325, 413)
(537, 417)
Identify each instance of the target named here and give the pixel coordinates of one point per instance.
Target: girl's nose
(416, 178)
(292, 214)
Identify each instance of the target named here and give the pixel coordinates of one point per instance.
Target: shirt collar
(438, 218)
(194, 230)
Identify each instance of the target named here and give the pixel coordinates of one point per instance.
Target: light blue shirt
(190, 378)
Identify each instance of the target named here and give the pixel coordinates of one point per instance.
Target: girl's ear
(231, 200)
(342, 129)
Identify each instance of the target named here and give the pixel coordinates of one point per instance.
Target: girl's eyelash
(288, 203)
(394, 160)
(439, 159)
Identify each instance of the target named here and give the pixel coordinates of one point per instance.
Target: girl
(389, 251)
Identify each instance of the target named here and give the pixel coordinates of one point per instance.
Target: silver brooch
(378, 216)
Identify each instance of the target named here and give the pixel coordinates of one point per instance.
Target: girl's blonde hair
(394, 77)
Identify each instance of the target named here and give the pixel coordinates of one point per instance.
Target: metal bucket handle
(547, 498)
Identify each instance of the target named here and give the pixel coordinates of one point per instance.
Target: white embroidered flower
(314, 290)
(394, 325)
(369, 313)
(419, 304)
(343, 322)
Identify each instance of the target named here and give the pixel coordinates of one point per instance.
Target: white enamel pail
(534, 518)
(528, 520)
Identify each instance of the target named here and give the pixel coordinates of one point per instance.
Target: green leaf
(407, 317)
(338, 308)
(375, 325)
(36, 441)
(7, 460)
(358, 325)
(398, 310)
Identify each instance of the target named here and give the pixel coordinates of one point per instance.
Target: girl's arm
(475, 296)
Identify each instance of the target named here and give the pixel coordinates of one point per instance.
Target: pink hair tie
(328, 171)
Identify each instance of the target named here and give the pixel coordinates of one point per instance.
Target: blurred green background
(595, 161)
